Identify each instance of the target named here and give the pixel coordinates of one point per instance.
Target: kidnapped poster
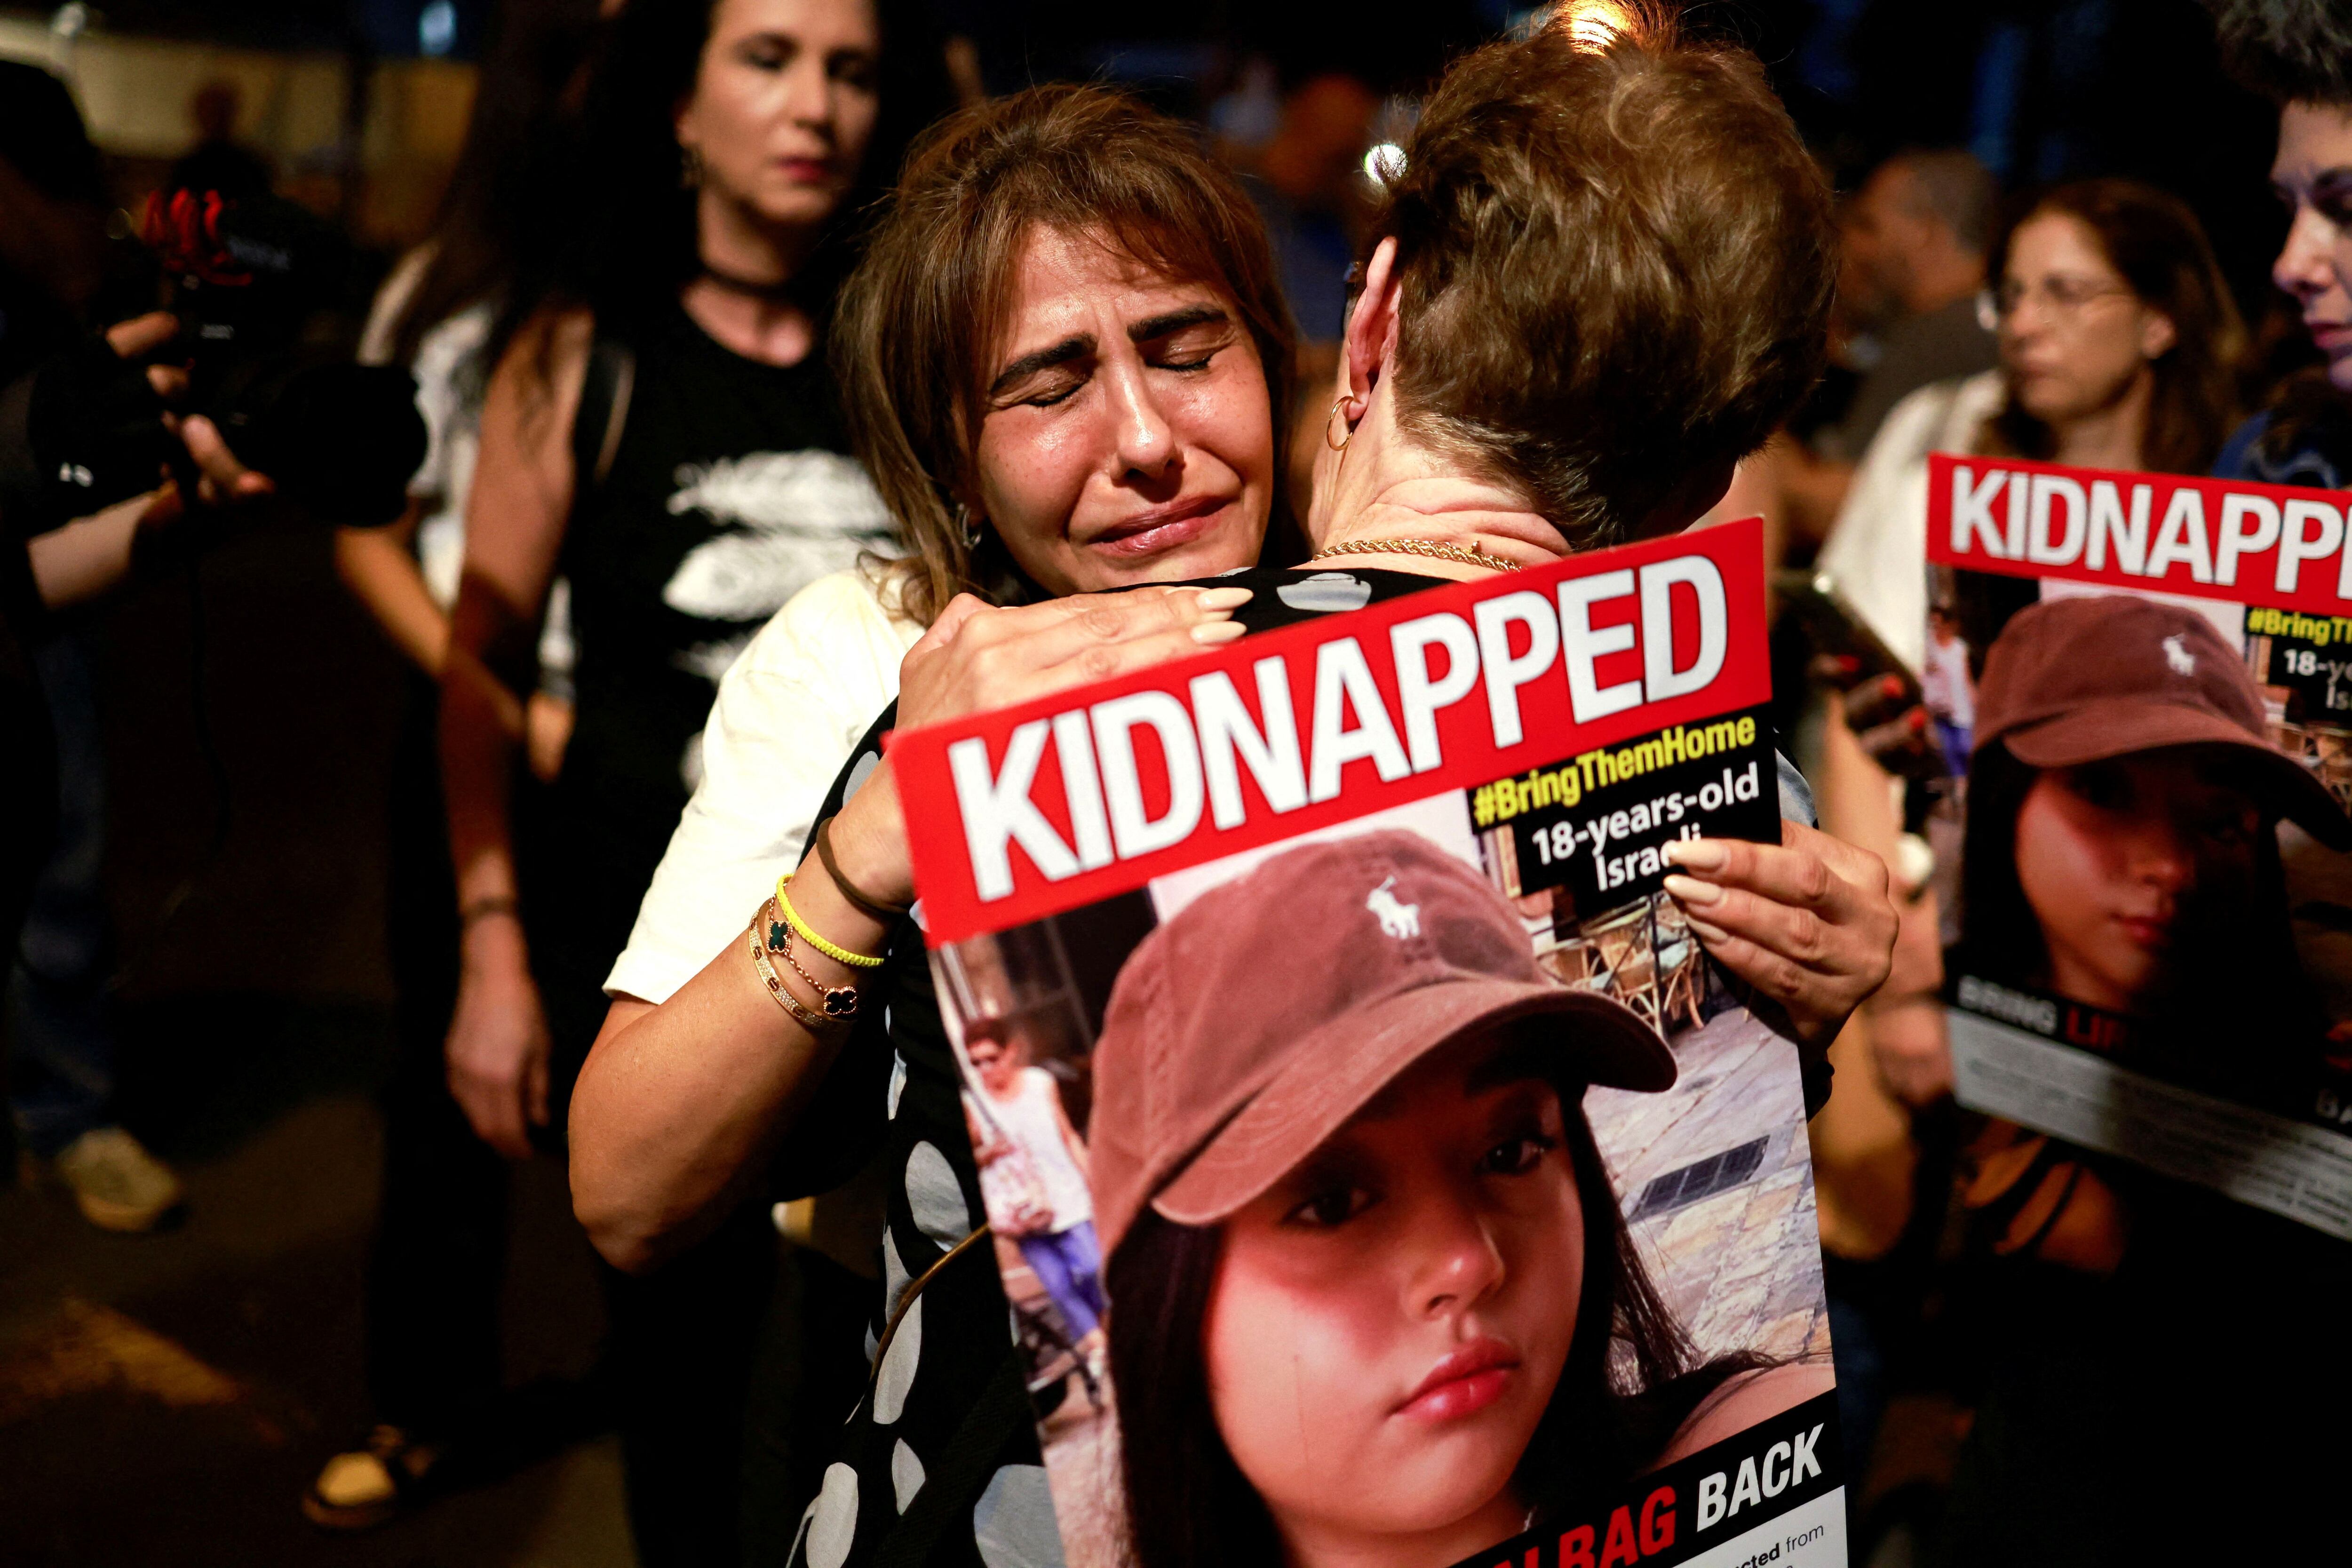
(1375, 1164)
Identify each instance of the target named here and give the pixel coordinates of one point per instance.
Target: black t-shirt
(944, 1448)
(730, 492)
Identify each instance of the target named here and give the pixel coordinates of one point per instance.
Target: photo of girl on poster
(1366, 1262)
(2125, 813)
(2122, 848)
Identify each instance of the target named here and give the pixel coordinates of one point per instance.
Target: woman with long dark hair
(2119, 341)
(1367, 1316)
(662, 429)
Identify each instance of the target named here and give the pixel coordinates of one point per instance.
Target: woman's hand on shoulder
(977, 656)
(1809, 921)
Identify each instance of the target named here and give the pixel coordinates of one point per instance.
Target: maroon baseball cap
(1265, 1015)
(2079, 680)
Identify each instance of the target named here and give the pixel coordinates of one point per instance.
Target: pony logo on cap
(2183, 662)
(1399, 920)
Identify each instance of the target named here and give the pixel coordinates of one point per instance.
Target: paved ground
(1741, 1268)
(164, 1399)
(1082, 1459)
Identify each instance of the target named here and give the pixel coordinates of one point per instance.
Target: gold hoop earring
(1341, 443)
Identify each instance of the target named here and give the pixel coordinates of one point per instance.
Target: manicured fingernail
(1707, 933)
(1223, 598)
(1219, 631)
(1697, 854)
(1691, 890)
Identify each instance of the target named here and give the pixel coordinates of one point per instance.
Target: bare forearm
(679, 1106)
(375, 565)
(78, 562)
(479, 723)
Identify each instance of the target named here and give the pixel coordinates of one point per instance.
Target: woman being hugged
(661, 428)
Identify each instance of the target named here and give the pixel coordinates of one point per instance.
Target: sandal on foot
(369, 1486)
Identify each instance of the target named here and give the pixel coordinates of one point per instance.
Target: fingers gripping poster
(1376, 1166)
(2153, 963)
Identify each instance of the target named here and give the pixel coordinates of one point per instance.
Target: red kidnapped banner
(2272, 545)
(1019, 813)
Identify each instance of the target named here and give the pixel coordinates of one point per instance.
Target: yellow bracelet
(801, 930)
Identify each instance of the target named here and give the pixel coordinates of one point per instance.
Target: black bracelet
(861, 902)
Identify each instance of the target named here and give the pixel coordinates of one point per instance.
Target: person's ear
(1369, 347)
(2157, 334)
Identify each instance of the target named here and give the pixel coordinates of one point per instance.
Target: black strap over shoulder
(604, 413)
(962, 1470)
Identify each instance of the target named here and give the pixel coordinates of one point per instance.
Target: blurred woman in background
(2118, 342)
(662, 429)
(435, 1269)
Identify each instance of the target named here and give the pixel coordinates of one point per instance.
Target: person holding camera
(69, 393)
(86, 429)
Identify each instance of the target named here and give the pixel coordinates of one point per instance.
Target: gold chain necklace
(1434, 549)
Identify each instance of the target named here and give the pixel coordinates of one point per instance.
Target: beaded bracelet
(801, 929)
(833, 1001)
(813, 1022)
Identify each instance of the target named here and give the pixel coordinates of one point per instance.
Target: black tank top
(731, 490)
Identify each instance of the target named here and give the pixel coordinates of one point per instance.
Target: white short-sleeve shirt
(790, 710)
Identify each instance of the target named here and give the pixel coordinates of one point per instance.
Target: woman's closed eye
(2331, 197)
(852, 68)
(1195, 348)
(768, 51)
(1049, 390)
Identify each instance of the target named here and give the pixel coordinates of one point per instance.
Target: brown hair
(914, 333)
(2290, 51)
(1616, 260)
(2155, 243)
